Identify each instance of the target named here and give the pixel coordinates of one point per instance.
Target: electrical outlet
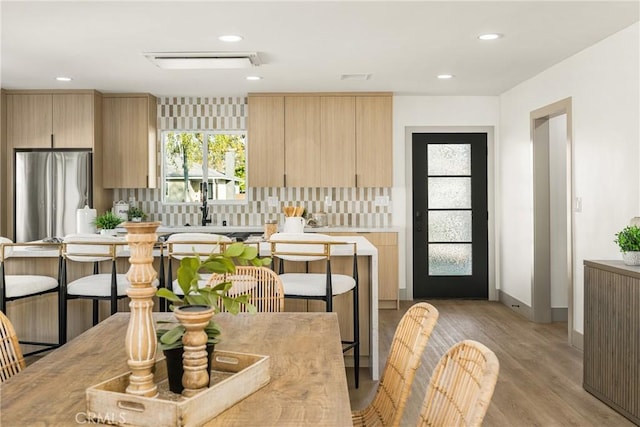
(381, 201)
(328, 202)
(272, 202)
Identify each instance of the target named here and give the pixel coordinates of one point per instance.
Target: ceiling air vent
(203, 60)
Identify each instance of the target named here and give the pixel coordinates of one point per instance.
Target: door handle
(418, 221)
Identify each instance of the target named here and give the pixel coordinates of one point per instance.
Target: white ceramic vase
(108, 232)
(631, 258)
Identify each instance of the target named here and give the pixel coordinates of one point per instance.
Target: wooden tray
(234, 376)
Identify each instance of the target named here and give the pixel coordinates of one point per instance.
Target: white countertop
(364, 247)
(260, 229)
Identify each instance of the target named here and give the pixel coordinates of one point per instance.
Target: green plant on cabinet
(629, 239)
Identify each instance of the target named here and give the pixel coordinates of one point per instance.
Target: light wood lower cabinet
(387, 245)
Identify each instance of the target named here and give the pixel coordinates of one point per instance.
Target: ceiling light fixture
(203, 60)
(230, 38)
(490, 36)
(445, 76)
(63, 79)
(254, 78)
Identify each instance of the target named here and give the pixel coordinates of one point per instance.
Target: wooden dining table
(308, 384)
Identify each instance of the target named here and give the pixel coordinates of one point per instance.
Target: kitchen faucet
(204, 208)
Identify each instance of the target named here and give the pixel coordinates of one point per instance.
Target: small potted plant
(629, 242)
(189, 279)
(107, 222)
(136, 215)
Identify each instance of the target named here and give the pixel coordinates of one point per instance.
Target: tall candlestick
(140, 342)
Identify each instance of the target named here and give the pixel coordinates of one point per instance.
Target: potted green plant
(629, 242)
(107, 222)
(136, 214)
(188, 275)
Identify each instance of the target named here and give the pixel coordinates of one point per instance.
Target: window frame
(205, 153)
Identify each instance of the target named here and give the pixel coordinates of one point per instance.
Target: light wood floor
(540, 381)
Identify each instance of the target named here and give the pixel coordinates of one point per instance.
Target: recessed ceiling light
(355, 76)
(254, 78)
(445, 76)
(230, 38)
(490, 36)
(63, 79)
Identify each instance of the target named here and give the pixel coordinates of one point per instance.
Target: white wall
(427, 111)
(603, 82)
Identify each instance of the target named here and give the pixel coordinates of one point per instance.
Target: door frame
(492, 232)
(540, 288)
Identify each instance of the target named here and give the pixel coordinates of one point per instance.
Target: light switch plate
(381, 201)
(272, 202)
(327, 202)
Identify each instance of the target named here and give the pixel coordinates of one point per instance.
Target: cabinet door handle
(285, 179)
(356, 175)
(51, 140)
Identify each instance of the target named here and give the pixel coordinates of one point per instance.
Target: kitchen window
(194, 157)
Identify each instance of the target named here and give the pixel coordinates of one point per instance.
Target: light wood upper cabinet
(338, 137)
(320, 140)
(73, 120)
(29, 120)
(265, 129)
(129, 137)
(51, 120)
(302, 141)
(374, 146)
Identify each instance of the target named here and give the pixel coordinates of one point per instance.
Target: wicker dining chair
(409, 341)
(11, 359)
(261, 283)
(461, 386)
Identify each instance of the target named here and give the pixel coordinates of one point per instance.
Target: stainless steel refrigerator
(50, 185)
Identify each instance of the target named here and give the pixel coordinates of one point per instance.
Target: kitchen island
(37, 317)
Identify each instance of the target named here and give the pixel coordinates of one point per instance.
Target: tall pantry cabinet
(51, 119)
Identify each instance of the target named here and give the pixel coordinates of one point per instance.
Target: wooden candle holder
(194, 318)
(141, 338)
